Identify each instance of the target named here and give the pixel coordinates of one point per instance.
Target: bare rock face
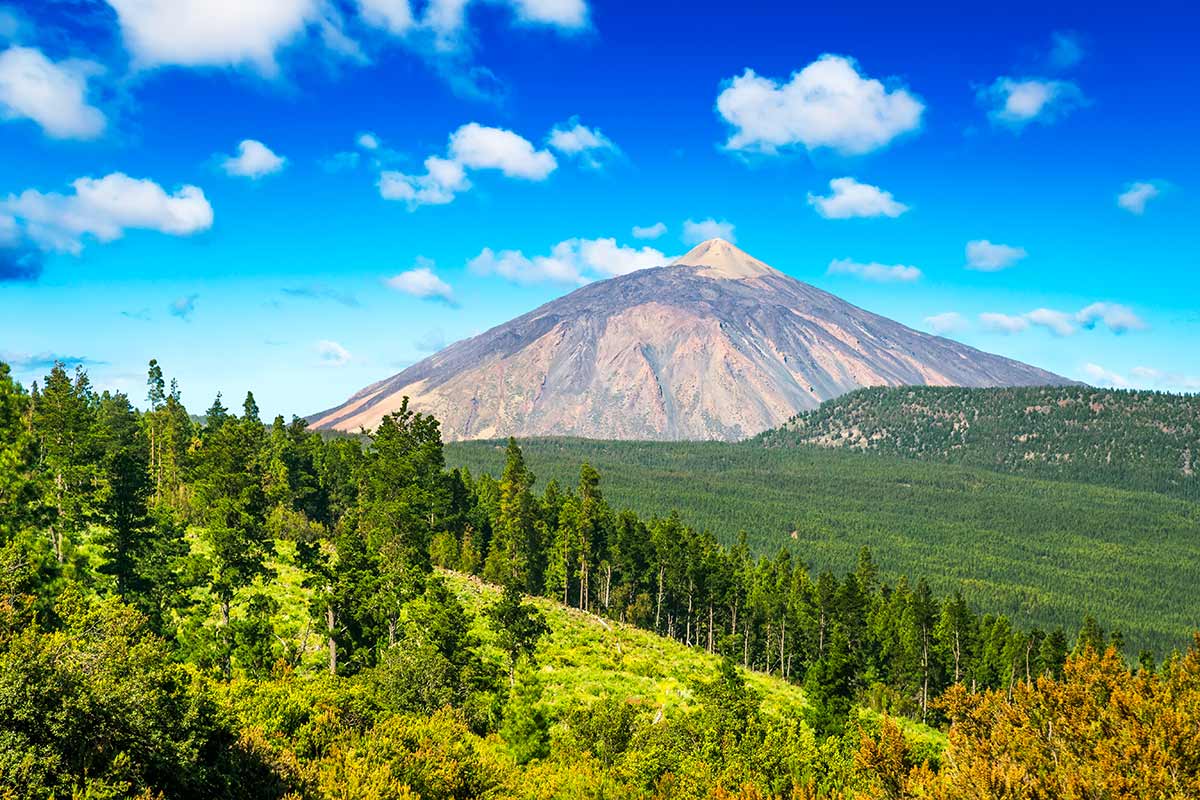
(717, 345)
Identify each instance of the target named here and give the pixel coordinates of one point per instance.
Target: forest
(234, 608)
(1043, 552)
(1111, 437)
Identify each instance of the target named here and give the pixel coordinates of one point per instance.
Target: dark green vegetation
(1043, 552)
(236, 609)
(1126, 439)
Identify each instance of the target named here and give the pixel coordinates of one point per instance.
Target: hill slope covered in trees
(1127, 439)
(1044, 552)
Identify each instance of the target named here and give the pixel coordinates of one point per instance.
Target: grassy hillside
(1044, 552)
(1127, 439)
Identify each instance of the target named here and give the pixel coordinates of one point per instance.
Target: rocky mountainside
(716, 345)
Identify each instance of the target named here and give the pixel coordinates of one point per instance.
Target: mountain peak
(717, 258)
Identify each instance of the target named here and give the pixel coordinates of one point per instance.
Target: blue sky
(315, 259)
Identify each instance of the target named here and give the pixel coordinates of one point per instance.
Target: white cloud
(1137, 195)
(566, 14)
(589, 145)
(54, 95)
(472, 146)
(1059, 323)
(985, 256)
(1102, 377)
(649, 231)
(878, 273)
(1118, 318)
(849, 198)
(1066, 50)
(220, 33)
(422, 282)
(946, 323)
(826, 104)
(253, 160)
(479, 147)
(1015, 103)
(442, 181)
(105, 208)
(696, 232)
(1002, 323)
(606, 257)
(368, 141)
(332, 354)
(393, 16)
(254, 33)
(572, 261)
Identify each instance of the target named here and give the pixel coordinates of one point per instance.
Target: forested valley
(234, 608)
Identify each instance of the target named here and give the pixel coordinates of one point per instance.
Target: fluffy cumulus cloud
(332, 354)
(474, 147)
(828, 104)
(440, 184)
(878, 273)
(104, 208)
(367, 141)
(1060, 323)
(220, 33)
(1115, 317)
(986, 256)
(54, 95)
(241, 33)
(1003, 323)
(591, 147)
(421, 281)
(573, 261)
(848, 198)
(695, 232)
(1016, 102)
(253, 160)
(946, 323)
(1137, 195)
(649, 231)
(1100, 376)
(480, 147)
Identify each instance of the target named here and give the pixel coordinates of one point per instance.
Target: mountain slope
(717, 345)
(1128, 439)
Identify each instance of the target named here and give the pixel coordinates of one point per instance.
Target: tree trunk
(330, 626)
(957, 655)
(710, 627)
(924, 673)
(658, 603)
(782, 638)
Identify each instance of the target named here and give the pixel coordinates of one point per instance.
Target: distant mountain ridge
(717, 345)
(1128, 439)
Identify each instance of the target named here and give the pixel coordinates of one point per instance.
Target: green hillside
(1043, 552)
(1127, 439)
